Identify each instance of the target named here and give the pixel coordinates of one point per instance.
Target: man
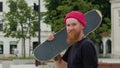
(81, 53)
(16, 52)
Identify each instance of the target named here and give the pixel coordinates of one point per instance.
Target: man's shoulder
(87, 43)
(87, 40)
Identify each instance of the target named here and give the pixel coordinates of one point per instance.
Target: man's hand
(51, 36)
(59, 63)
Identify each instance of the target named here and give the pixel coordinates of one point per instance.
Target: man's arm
(60, 63)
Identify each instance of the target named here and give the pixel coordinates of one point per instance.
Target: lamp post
(37, 8)
(39, 30)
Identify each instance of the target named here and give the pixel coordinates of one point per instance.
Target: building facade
(115, 19)
(110, 46)
(8, 44)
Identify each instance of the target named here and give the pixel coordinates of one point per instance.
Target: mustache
(72, 37)
(72, 31)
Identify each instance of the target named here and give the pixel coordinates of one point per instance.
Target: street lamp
(37, 8)
(39, 30)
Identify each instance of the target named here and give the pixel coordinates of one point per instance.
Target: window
(13, 45)
(119, 12)
(119, 16)
(1, 26)
(35, 44)
(1, 6)
(119, 21)
(108, 46)
(1, 47)
(101, 48)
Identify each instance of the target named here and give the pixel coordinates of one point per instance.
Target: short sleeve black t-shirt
(81, 55)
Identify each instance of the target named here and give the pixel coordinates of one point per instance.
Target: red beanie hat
(77, 15)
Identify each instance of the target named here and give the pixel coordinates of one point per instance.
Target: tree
(57, 10)
(20, 21)
(105, 27)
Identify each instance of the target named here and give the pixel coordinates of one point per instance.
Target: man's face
(74, 29)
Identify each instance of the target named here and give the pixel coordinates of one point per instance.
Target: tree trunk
(23, 48)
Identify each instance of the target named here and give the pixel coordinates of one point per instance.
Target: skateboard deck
(49, 49)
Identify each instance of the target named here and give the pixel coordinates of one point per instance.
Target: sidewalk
(30, 66)
(21, 66)
(24, 64)
(50, 65)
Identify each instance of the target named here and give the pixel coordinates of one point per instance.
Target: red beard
(73, 36)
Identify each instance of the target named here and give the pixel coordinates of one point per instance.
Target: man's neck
(81, 36)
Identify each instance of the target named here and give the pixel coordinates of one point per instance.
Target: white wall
(115, 19)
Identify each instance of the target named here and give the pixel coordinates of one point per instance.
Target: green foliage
(105, 27)
(58, 9)
(20, 21)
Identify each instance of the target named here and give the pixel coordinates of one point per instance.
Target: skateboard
(50, 49)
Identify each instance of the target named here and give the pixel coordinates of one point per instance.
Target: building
(7, 45)
(105, 48)
(115, 19)
(110, 45)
